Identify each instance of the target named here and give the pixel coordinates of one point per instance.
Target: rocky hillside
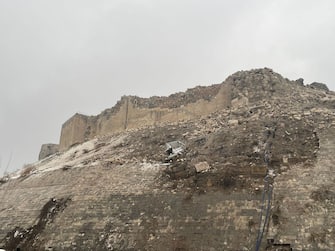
(204, 190)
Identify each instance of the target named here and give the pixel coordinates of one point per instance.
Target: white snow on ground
(74, 157)
(150, 166)
(92, 153)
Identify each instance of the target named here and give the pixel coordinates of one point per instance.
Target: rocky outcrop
(47, 150)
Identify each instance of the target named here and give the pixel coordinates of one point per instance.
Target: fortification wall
(77, 129)
(47, 150)
(303, 212)
(133, 112)
(126, 211)
(122, 196)
(125, 206)
(240, 90)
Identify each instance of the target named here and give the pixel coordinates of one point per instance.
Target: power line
(268, 186)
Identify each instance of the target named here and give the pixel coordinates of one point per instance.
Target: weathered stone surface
(47, 150)
(244, 89)
(319, 86)
(122, 194)
(300, 81)
(304, 201)
(233, 122)
(134, 112)
(202, 166)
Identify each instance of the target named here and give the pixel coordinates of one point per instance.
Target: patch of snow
(116, 141)
(74, 157)
(150, 166)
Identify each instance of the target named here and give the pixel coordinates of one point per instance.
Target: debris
(271, 173)
(323, 194)
(319, 86)
(66, 167)
(4, 180)
(202, 167)
(174, 148)
(233, 122)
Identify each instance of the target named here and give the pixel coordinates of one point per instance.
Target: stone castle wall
(47, 150)
(76, 130)
(240, 90)
(125, 214)
(134, 112)
(119, 195)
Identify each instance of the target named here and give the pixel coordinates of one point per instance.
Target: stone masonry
(112, 187)
(47, 150)
(133, 112)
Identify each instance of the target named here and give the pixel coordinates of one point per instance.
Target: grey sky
(61, 57)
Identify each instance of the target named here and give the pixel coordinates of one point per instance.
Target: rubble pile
(172, 185)
(179, 99)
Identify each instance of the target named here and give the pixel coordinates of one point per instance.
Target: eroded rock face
(47, 150)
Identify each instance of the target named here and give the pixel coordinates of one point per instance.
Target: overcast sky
(65, 56)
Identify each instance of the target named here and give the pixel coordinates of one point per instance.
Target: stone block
(202, 167)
